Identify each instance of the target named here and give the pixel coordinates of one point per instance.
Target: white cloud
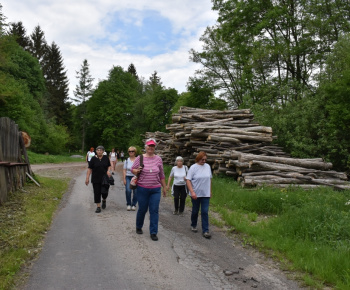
(76, 25)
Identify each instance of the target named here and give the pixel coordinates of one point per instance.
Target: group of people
(147, 168)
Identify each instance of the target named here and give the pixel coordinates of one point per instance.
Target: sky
(153, 35)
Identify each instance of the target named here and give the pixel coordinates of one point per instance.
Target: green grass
(24, 220)
(35, 158)
(308, 231)
(309, 228)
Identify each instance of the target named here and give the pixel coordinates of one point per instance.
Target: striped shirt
(152, 172)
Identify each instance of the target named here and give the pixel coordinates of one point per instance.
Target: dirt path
(84, 250)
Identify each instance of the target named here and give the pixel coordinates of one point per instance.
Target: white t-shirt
(179, 174)
(127, 165)
(200, 177)
(90, 155)
(113, 156)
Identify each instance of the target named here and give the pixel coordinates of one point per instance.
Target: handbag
(133, 181)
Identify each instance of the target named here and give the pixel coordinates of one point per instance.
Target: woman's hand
(194, 195)
(109, 173)
(87, 181)
(164, 191)
(124, 181)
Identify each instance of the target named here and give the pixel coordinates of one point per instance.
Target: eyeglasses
(131, 151)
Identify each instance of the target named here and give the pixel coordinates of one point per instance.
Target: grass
(24, 220)
(35, 158)
(311, 229)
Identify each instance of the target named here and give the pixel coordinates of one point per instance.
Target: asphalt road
(85, 250)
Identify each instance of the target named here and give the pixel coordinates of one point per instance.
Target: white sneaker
(133, 208)
(128, 207)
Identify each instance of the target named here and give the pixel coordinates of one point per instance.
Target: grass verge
(24, 220)
(35, 158)
(308, 229)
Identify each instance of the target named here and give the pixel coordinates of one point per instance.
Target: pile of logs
(238, 146)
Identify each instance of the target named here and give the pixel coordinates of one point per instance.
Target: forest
(287, 61)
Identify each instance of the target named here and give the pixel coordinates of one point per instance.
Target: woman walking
(128, 175)
(179, 188)
(150, 182)
(199, 184)
(113, 159)
(99, 167)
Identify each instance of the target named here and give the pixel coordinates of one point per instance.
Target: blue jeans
(128, 192)
(203, 203)
(148, 198)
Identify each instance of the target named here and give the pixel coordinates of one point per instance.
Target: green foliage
(110, 110)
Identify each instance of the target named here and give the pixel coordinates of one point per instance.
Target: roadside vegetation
(307, 231)
(36, 158)
(24, 220)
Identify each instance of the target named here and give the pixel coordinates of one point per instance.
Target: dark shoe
(139, 231)
(175, 212)
(154, 237)
(181, 213)
(103, 204)
(194, 229)
(112, 173)
(98, 210)
(207, 235)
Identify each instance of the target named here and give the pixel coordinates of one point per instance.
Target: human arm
(169, 181)
(124, 176)
(162, 181)
(88, 173)
(190, 188)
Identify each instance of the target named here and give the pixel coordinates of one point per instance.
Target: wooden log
(222, 139)
(305, 163)
(243, 137)
(281, 167)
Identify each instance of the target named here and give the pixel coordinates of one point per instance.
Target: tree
(3, 23)
(269, 52)
(57, 84)
(20, 33)
(82, 93)
(110, 110)
(132, 70)
(38, 46)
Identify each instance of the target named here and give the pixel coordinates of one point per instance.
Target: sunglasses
(131, 151)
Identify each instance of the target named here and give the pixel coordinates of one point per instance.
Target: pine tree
(82, 93)
(132, 70)
(154, 81)
(3, 23)
(38, 45)
(20, 33)
(57, 84)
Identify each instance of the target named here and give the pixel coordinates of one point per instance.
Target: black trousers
(180, 195)
(97, 192)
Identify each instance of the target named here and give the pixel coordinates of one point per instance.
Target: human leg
(97, 195)
(195, 211)
(143, 200)
(154, 201)
(176, 199)
(205, 213)
(128, 190)
(183, 195)
(134, 197)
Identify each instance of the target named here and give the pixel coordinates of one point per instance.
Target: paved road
(85, 250)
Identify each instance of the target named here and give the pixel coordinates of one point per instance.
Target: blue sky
(153, 35)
